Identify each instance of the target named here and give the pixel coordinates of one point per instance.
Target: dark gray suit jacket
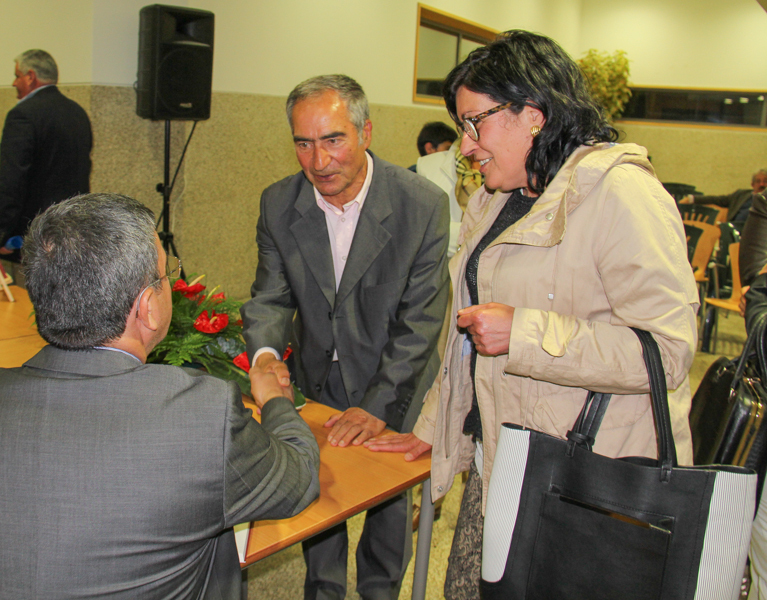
(386, 317)
(45, 157)
(123, 480)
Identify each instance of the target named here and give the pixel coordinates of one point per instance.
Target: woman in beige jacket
(578, 243)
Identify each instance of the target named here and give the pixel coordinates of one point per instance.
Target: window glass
(713, 107)
(467, 47)
(436, 58)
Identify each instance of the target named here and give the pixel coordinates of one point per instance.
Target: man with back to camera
(45, 148)
(354, 248)
(123, 479)
(737, 203)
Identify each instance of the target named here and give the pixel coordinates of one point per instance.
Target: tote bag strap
(587, 424)
(584, 432)
(757, 338)
(659, 394)
(757, 331)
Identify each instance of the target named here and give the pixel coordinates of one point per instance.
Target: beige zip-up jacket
(602, 249)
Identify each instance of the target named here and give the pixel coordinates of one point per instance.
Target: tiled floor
(280, 577)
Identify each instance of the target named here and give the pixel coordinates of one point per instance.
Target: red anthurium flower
(190, 291)
(212, 324)
(241, 360)
(220, 297)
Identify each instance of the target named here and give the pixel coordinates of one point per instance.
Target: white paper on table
(241, 535)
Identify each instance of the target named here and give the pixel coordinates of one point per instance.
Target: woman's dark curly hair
(528, 69)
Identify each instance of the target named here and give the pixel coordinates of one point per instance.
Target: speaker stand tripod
(165, 188)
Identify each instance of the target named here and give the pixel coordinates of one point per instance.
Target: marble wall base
(246, 146)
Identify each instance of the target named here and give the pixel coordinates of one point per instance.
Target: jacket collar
(546, 223)
(91, 362)
(370, 237)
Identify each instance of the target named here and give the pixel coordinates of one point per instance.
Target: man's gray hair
(41, 63)
(349, 91)
(759, 172)
(86, 260)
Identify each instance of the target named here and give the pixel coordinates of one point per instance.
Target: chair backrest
(699, 212)
(723, 210)
(679, 190)
(693, 234)
(706, 241)
(737, 290)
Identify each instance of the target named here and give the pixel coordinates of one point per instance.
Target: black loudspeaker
(175, 63)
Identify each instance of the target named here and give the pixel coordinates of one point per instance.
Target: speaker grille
(175, 63)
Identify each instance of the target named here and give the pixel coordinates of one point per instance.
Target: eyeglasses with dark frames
(469, 124)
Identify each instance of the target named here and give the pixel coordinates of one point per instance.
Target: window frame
(438, 20)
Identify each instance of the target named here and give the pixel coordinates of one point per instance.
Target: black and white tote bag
(564, 522)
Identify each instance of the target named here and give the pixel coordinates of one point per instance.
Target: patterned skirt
(463, 565)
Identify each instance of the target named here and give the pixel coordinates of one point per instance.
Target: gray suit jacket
(123, 480)
(386, 317)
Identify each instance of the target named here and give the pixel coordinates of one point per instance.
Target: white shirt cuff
(260, 351)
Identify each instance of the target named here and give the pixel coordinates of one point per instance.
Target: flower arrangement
(205, 330)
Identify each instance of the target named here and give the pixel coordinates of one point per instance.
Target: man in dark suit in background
(122, 479)
(738, 203)
(45, 148)
(352, 266)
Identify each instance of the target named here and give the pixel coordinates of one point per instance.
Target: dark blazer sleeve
(268, 316)
(733, 202)
(753, 242)
(414, 333)
(725, 200)
(16, 154)
(272, 469)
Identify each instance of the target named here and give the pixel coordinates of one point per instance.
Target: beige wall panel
(715, 160)
(396, 128)
(128, 151)
(244, 147)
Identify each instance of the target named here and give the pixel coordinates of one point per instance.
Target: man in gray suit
(352, 268)
(121, 479)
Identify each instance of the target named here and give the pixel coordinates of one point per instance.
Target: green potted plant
(608, 77)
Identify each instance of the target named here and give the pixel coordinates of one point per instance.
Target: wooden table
(352, 479)
(19, 340)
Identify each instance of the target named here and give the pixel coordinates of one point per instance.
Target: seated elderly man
(121, 479)
(738, 203)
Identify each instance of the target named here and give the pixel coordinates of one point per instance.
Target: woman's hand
(489, 326)
(408, 443)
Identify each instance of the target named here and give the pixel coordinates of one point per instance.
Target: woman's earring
(535, 130)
